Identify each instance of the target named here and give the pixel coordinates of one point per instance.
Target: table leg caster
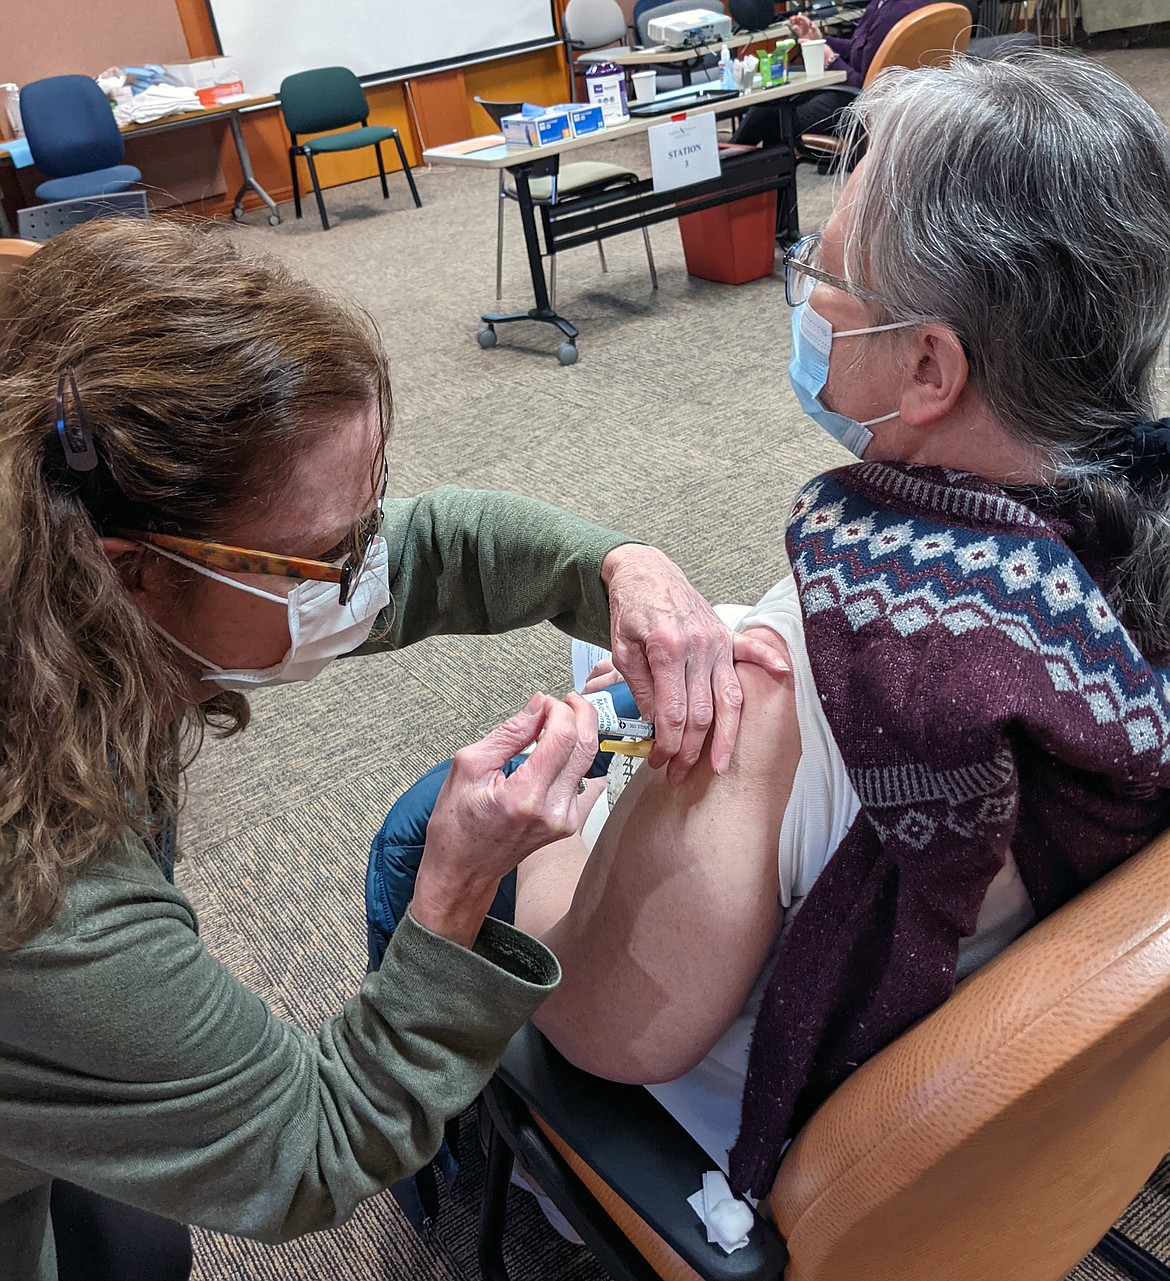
(274, 220)
(238, 213)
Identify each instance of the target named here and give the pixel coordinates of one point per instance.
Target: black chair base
(513, 1133)
(1129, 1258)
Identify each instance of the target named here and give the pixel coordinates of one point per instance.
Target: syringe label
(609, 722)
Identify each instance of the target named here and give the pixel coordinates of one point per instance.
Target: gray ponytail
(1025, 203)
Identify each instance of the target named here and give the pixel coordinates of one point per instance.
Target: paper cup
(813, 52)
(645, 85)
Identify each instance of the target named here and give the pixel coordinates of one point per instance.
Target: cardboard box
(528, 130)
(213, 79)
(583, 117)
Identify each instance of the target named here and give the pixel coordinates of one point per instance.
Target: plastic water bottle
(12, 108)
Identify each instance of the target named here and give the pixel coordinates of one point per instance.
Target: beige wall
(57, 37)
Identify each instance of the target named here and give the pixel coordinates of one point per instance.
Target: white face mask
(321, 628)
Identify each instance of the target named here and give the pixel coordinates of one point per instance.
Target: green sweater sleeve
(132, 1063)
(479, 561)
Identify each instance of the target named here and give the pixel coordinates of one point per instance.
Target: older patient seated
(977, 724)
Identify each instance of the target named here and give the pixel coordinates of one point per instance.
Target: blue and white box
(583, 117)
(534, 126)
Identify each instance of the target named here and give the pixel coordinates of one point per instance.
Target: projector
(689, 29)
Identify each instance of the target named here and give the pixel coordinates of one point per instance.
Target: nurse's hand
(484, 823)
(676, 655)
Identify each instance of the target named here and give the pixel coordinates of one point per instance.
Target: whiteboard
(270, 39)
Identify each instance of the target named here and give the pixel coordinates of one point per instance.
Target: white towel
(155, 103)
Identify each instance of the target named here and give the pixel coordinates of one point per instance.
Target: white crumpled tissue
(728, 1220)
(745, 72)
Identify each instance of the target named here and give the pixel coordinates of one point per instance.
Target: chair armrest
(632, 1143)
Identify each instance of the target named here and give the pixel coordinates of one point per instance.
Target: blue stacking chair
(74, 139)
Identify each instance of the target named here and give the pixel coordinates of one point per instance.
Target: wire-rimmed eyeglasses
(803, 272)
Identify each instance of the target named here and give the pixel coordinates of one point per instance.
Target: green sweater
(134, 1064)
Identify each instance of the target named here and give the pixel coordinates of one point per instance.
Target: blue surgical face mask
(812, 343)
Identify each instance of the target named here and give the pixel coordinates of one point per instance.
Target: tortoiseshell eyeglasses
(345, 570)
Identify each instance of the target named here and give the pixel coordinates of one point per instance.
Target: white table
(630, 209)
(664, 55)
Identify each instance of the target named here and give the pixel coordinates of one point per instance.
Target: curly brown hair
(204, 375)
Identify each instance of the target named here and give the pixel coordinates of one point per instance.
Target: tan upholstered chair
(924, 38)
(12, 253)
(995, 1141)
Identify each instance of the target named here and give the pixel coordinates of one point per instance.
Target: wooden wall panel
(534, 77)
(440, 108)
(196, 23)
(178, 172)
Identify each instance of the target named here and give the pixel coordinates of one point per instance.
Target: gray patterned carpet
(677, 425)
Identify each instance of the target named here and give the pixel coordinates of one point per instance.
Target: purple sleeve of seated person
(857, 51)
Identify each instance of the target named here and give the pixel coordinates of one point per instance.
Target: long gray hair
(1025, 203)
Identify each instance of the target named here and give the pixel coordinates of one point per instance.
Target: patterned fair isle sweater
(984, 696)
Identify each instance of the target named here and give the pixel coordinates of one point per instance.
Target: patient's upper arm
(677, 908)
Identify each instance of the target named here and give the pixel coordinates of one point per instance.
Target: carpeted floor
(677, 425)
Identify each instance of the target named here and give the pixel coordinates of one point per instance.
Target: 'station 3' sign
(683, 151)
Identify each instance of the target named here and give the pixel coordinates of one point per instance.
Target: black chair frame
(306, 149)
(630, 1141)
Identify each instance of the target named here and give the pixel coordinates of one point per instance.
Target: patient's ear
(938, 373)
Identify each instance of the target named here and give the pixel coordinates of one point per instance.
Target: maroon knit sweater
(984, 697)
